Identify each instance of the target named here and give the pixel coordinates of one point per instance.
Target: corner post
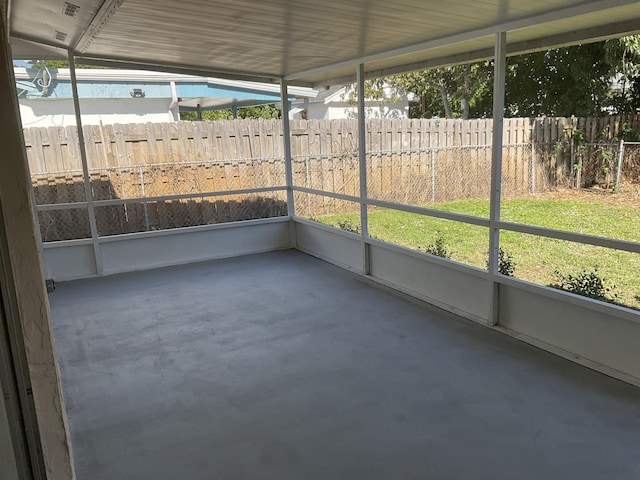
(362, 156)
(85, 167)
(288, 167)
(496, 171)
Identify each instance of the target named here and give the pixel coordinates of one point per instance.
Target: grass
(536, 258)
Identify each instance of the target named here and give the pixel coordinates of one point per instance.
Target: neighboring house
(334, 102)
(133, 96)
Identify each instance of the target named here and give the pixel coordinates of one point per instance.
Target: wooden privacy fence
(55, 149)
(417, 161)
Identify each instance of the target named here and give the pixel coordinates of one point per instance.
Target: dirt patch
(628, 195)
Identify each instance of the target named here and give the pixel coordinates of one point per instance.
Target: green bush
(506, 265)
(438, 248)
(349, 226)
(586, 283)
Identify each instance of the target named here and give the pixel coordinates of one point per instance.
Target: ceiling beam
(201, 71)
(99, 20)
(586, 35)
(458, 59)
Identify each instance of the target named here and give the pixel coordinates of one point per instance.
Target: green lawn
(536, 258)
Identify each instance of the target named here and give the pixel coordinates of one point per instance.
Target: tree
(559, 82)
(456, 91)
(625, 54)
(63, 64)
(377, 91)
(267, 112)
(563, 81)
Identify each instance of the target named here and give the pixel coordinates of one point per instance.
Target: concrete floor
(280, 366)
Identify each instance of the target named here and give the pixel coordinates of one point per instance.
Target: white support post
(85, 167)
(288, 167)
(362, 152)
(496, 170)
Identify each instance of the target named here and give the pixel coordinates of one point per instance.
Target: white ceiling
(308, 42)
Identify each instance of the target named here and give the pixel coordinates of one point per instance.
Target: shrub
(349, 226)
(438, 248)
(586, 283)
(506, 265)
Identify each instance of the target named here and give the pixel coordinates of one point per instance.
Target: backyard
(150, 177)
(536, 259)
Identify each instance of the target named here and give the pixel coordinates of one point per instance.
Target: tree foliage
(267, 112)
(456, 91)
(582, 80)
(559, 82)
(64, 64)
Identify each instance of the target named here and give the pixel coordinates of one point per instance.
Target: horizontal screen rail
(183, 196)
(324, 193)
(625, 245)
(456, 217)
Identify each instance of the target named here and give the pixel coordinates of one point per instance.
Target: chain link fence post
(573, 163)
(433, 176)
(144, 194)
(619, 168)
(533, 166)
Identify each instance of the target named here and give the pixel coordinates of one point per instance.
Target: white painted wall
(142, 251)
(602, 337)
(58, 112)
(335, 246)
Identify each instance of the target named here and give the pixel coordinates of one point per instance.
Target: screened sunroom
(296, 298)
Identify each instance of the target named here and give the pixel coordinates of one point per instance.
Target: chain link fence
(421, 177)
(594, 164)
(313, 206)
(630, 172)
(58, 187)
(608, 166)
(155, 181)
(443, 174)
(337, 173)
(67, 224)
(161, 215)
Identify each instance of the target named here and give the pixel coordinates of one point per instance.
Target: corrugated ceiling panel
(277, 37)
(42, 20)
(308, 40)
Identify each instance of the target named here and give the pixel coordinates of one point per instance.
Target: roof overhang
(307, 43)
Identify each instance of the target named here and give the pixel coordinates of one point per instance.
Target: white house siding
(338, 110)
(59, 112)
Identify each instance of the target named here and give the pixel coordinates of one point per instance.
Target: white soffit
(309, 42)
